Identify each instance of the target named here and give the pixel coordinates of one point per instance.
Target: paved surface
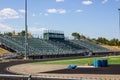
(111, 72)
(61, 71)
(4, 65)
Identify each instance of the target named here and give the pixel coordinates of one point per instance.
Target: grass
(111, 60)
(3, 51)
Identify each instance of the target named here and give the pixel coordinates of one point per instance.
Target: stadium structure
(53, 44)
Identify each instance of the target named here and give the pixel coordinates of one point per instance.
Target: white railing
(45, 77)
(30, 77)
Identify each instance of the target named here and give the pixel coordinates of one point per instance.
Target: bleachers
(51, 47)
(42, 46)
(66, 45)
(90, 45)
(12, 43)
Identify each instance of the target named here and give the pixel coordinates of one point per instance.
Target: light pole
(26, 33)
(119, 19)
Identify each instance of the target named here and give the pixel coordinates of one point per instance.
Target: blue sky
(93, 18)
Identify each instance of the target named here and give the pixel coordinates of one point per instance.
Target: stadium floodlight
(26, 33)
(119, 20)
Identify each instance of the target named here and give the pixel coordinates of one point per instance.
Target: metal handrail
(30, 77)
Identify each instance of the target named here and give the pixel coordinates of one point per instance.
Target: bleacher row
(49, 47)
(91, 46)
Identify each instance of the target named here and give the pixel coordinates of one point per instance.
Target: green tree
(82, 37)
(102, 40)
(99, 40)
(114, 42)
(22, 33)
(8, 34)
(76, 35)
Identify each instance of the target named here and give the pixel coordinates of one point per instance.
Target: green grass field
(111, 60)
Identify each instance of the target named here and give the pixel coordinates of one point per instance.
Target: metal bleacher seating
(90, 45)
(51, 47)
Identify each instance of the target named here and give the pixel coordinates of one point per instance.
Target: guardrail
(30, 77)
(45, 77)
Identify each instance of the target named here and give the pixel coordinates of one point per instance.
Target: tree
(82, 37)
(114, 42)
(1, 34)
(93, 40)
(102, 40)
(76, 35)
(29, 35)
(22, 33)
(8, 34)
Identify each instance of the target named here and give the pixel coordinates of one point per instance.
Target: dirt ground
(60, 71)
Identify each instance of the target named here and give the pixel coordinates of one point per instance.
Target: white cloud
(53, 10)
(8, 13)
(5, 27)
(79, 10)
(1, 19)
(59, 0)
(36, 30)
(104, 1)
(61, 11)
(33, 30)
(87, 2)
(22, 11)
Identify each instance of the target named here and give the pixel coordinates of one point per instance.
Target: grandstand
(52, 44)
